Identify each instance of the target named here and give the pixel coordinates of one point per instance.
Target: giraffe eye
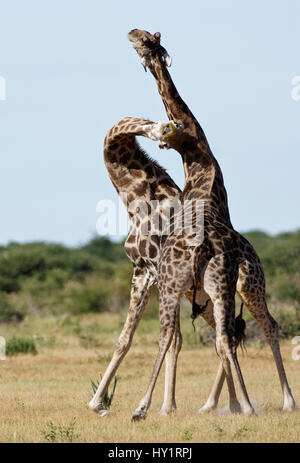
(157, 35)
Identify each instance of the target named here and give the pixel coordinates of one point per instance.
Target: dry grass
(48, 391)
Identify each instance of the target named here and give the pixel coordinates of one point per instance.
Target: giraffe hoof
(138, 416)
(289, 408)
(205, 409)
(235, 407)
(99, 409)
(249, 412)
(166, 412)
(107, 413)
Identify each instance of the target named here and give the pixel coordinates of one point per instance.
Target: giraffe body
(224, 260)
(144, 181)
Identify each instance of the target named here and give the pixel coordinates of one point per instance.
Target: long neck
(203, 175)
(176, 108)
(130, 168)
(204, 179)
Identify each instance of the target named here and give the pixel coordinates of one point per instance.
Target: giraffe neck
(203, 178)
(130, 168)
(176, 108)
(203, 175)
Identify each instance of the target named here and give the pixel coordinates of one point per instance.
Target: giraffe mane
(161, 170)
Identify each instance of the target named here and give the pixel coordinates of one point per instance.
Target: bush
(92, 296)
(105, 249)
(7, 312)
(288, 323)
(259, 240)
(60, 433)
(52, 278)
(20, 345)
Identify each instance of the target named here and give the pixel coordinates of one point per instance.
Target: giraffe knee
(271, 328)
(221, 347)
(122, 346)
(226, 346)
(176, 342)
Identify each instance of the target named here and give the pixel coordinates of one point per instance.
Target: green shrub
(288, 322)
(92, 296)
(20, 345)
(103, 248)
(52, 278)
(7, 312)
(259, 240)
(108, 398)
(45, 341)
(286, 289)
(60, 433)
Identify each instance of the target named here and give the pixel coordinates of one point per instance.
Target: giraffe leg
(167, 331)
(140, 291)
(254, 299)
(227, 352)
(219, 282)
(213, 399)
(169, 403)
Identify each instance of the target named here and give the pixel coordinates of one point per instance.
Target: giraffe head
(148, 46)
(168, 134)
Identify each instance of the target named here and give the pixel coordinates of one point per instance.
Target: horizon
(121, 239)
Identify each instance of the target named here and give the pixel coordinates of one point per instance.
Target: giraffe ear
(167, 59)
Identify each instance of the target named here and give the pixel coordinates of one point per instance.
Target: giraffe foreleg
(140, 291)
(167, 331)
(169, 403)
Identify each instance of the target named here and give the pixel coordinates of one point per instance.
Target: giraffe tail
(240, 328)
(196, 308)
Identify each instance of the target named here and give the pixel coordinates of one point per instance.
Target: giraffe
(225, 261)
(143, 180)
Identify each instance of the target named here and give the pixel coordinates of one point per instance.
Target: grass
(44, 397)
(108, 398)
(60, 433)
(20, 345)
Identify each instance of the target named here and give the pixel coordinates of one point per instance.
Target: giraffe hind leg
(214, 395)
(254, 299)
(220, 284)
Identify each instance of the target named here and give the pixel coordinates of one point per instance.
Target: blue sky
(71, 74)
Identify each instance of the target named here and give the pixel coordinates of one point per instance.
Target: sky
(70, 74)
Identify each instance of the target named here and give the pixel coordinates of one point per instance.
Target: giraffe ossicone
(151, 45)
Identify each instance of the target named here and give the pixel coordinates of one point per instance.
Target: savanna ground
(44, 397)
